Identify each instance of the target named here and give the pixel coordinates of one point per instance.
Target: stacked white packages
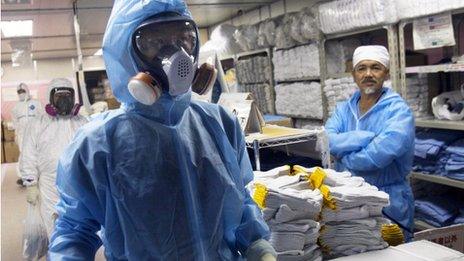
(247, 37)
(337, 90)
(416, 8)
(307, 124)
(263, 96)
(299, 99)
(296, 63)
(417, 94)
(353, 224)
(291, 209)
(254, 70)
(346, 15)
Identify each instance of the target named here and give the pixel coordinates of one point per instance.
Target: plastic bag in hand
(35, 239)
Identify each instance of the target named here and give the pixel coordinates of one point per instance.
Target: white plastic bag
(35, 239)
(442, 105)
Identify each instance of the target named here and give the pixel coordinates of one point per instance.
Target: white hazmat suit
(44, 141)
(25, 110)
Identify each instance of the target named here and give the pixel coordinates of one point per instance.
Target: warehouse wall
(272, 10)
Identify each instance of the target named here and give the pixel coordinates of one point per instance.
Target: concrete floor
(14, 208)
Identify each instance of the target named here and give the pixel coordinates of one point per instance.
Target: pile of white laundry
(299, 99)
(254, 70)
(337, 90)
(352, 216)
(263, 96)
(417, 95)
(290, 208)
(296, 63)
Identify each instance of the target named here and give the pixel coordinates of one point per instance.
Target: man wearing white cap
(372, 134)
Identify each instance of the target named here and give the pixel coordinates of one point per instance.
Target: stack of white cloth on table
(299, 99)
(337, 90)
(290, 209)
(354, 226)
(296, 63)
(417, 95)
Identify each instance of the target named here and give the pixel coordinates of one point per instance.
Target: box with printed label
(452, 236)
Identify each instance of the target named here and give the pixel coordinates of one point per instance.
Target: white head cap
(58, 83)
(371, 52)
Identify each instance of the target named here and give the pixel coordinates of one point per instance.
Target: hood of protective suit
(59, 82)
(23, 86)
(120, 65)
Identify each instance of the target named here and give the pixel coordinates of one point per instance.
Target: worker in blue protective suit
(164, 176)
(372, 134)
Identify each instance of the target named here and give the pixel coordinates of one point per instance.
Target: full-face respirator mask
(165, 48)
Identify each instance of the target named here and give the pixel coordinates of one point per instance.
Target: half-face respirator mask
(165, 48)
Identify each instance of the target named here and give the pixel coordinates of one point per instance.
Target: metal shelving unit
(440, 124)
(315, 78)
(438, 179)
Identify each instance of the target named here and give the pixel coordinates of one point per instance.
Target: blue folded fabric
(436, 210)
(456, 148)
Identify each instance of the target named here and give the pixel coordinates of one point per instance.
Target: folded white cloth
(302, 200)
(284, 241)
(286, 214)
(329, 215)
(309, 254)
(347, 196)
(273, 173)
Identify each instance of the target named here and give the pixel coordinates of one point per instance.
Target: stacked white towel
(254, 70)
(263, 95)
(307, 124)
(291, 210)
(337, 90)
(417, 95)
(296, 63)
(354, 226)
(299, 99)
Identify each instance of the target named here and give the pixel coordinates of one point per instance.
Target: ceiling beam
(61, 9)
(58, 50)
(49, 36)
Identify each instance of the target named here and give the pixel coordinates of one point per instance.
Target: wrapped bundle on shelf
(449, 105)
(296, 63)
(254, 70)
(283, 38)
(308, 124)
(290, 208)
(269, 30)
(263, 96)
(416, 8)
(337, 90)
(262, 40)
(247, 37)
(300, 99)
(347, 15)
(417, 95)
(295, 28)
(309, 28)
(222, 41)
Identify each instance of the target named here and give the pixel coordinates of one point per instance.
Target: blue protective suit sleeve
(343, 143)
(396, 138)
(253, 226)
(74, 237)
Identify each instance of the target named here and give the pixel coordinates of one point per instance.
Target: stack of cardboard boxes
(10, 151)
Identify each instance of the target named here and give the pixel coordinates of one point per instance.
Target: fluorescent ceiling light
(17, 28)
(99, 52)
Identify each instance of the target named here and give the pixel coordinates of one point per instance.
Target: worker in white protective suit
(45, 139)
(25, 110)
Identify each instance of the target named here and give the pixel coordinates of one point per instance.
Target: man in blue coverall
(164, 176)
(372, 134)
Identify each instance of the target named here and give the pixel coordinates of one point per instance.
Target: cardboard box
(113, 103)
(452, 236)
(7, 135)
(11, 151)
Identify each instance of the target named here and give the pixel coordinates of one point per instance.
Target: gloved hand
(32, 194)
(261, 250)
